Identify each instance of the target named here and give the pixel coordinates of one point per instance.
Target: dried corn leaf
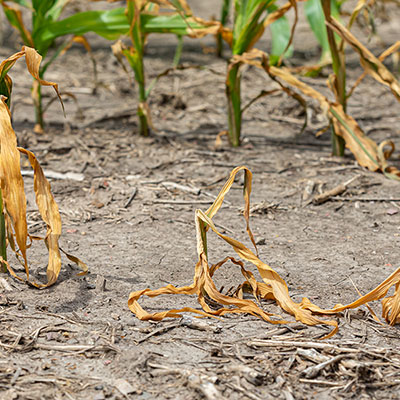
(273, 286)
(390, 305)
(389, 51)
(365, 150)
(15, 16)
(33, 60)
(79, 39)
(371, 64)
(277, 287)
(356, 10)
(12, 186)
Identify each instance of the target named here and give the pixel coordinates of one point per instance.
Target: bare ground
(78, 339)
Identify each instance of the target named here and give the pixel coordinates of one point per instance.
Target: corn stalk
(250, 21)
(338, 80)
(135, 58)
(226, 5)
(3, 241)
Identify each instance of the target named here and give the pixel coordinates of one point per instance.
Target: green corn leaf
(173, 23)
(226, 5)
(55, 11)
(114, 23)
(316, 19)
(280, 36)
(248, 22)
(109, 24)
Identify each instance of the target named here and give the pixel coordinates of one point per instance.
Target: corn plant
(3, 242)
(146, 18)
(13, 224)
(43, 12)
(318, 12)
(226, 5)
(137, 20)
(250, 20)
(272, 287)
(315, 14)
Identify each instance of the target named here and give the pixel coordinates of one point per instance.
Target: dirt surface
(78, 339)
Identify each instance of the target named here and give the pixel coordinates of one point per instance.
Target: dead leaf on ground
(273, 286)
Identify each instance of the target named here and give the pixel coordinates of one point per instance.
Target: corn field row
(48, 35)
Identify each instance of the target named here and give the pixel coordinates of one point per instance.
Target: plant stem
(339, 69)
(37, 101)
(338, 143)
(178, 50)
(224, 19)
(3, 244)
(143, 109)
(135, 58)
(234, 104)
(142, 112)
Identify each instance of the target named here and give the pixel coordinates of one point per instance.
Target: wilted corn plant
(251, 18)
(323, 17)
(337, 81)
(13, 224)
(272, 287)
(368, 153)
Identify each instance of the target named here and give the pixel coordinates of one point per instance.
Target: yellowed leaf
(272, 287)
(364, 148)
(12, 186)
(33, 60)
(371, 64)
(12, 183)
(21, 23)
